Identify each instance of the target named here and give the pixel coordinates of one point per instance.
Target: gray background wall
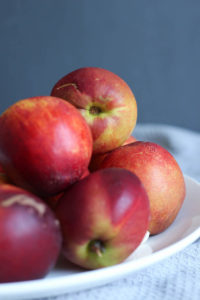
(153, 45)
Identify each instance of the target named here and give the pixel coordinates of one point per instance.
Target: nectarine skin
(97, 159)
(30, 237)
(3, 178)
(45, 144)
(103, 218)
(161, 176)
(130, 139)
(105, 101)
(53, 201)
(1, 169)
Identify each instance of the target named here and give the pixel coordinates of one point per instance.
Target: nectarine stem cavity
(95, 110)
(97, 246)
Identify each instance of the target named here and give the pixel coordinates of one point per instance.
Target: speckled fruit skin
(30, 237)
(161, 176)
(45, 144)
(109, 207)
(97, 159)
(105, 101)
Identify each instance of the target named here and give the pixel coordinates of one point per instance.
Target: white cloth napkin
(177, 277)
(183, 144)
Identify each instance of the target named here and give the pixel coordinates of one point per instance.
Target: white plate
(67, 278)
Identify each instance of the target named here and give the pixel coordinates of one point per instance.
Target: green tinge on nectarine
(103, 218)
(106, 102)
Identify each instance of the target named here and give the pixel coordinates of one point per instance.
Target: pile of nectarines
(72, 178)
